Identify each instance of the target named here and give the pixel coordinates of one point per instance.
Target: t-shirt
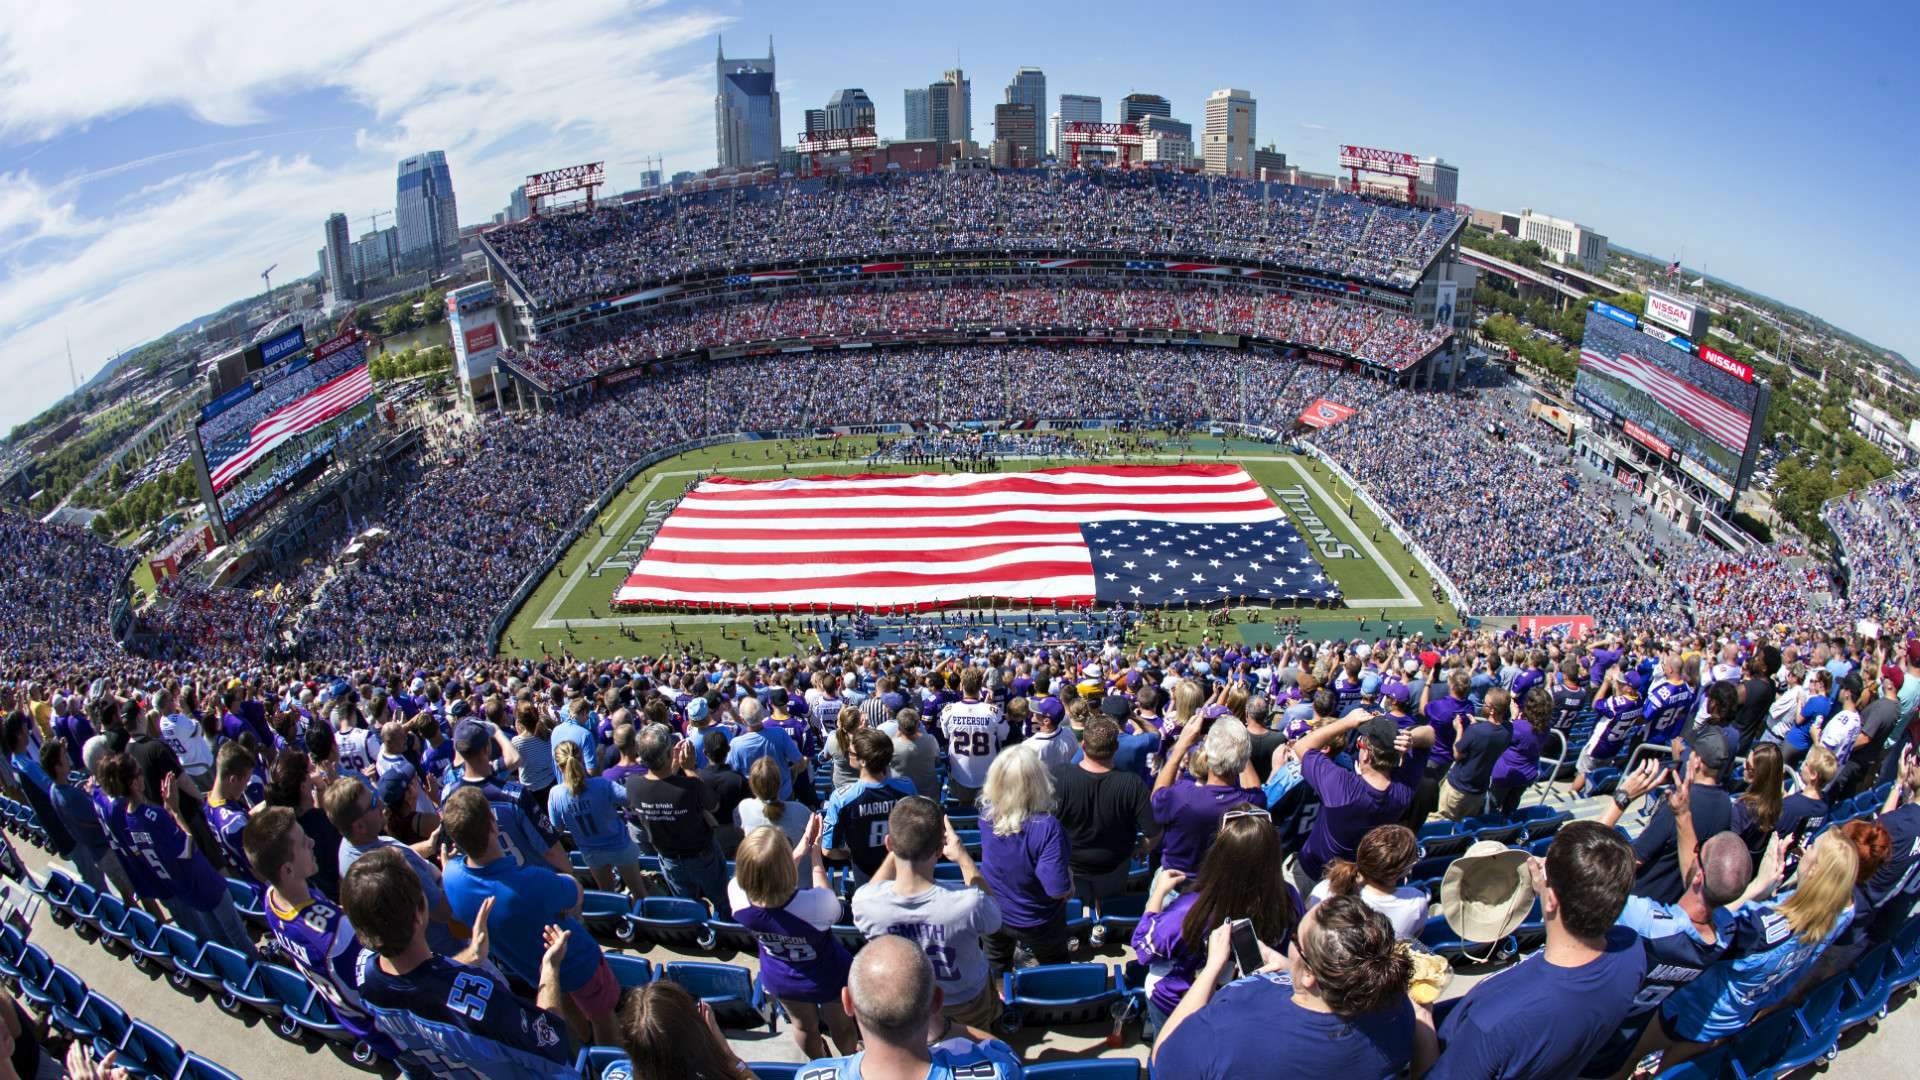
(1405, 907)
(519, 813)
(526, 899)
(673, 809)
(1676, 955)
(1104, 814)
(1496, 1029)
(1252, 1025)
(1894, 888)
(1173, 959)
(800, 959)
(1756, 703)
(1135, 750)
(169, 852)
(581, 736)
(1519, 763)
(954, 1059)
(855, 820)
(1441, 713)
(358, 749)
(1480, 746)
(513, 1037)
(1350, 807)
(317, 937)
(1028, 869)
(592, 817)
(1191, 812)
(536, 761)
(729, 790)
(975, 731)
(917, 761)
(1728, 995)
(947, 920)
(438, 935)
(1658, 845)
(1801, 815)
(767, 742)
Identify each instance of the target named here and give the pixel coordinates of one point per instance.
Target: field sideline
(570, 610)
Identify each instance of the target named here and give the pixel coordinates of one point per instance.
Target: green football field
(570, 612)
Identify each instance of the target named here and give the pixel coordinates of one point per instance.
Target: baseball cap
(394, 784)
(469, 736)
(1048, 706)
(1116, 706)
(1398, 692)
(1369, 684)
(1379, 733)
(1215, 712)
(459, 708)
(697, 709)
(1635, 680)
(1893, 676)
(1710, 746)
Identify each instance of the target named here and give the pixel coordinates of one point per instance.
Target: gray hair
(750, 712)
(892, 986)
(1227, 747)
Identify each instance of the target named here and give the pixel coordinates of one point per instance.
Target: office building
(1566, 241)
(336, 260)
(424, 213)
(1015, 136)
(1269, 164)
(746, 110)
(919, 116)
(1137, 107)
(950, 109)
(1083, 108)
(518, 207)
(1496, 221)
(849, 109)
(1226, 143)
(1438, 183)
(1029, 88)
(816, 121)
(375, 257)
(1166, 140)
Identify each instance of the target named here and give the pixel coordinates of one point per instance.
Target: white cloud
(505, 89)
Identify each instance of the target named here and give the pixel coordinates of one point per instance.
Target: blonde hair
(764, 868)
(1187, 696)
(573, 770)
(1018, 787)
(1826, 887)
(1820, 765)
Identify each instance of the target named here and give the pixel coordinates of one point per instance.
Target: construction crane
(267, 277)
(375, 217)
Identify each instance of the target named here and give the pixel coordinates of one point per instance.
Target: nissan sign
(1671, 313)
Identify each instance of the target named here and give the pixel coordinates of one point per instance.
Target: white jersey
(183, 736)
(975, 732)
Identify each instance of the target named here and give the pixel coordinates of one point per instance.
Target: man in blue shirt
(759, 741)
(449, 1016)
(527, 899)
(523, 827)
(891, 994)
(1585, 978)
(574, 727)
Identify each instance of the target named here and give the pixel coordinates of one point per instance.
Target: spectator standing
(1656, 849)
(916, 756)
(524, 833)
(92, 853)
(1893, 891)
(1025, 857)
(535, 751)
(357, 815)
(729, 790)
(948, 921)
(1585, 978)
(856, 816)
(157, 833)
(1477, 747)
(589, 809)
(676, 810)
(759, 741)
(1108, 818)
(802, 965)
(1519, 764)
(975, 732)
(227, 806)
(1223, 778)
(1377, 791)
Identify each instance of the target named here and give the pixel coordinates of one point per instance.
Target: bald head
(1726, 867)
(892, 988)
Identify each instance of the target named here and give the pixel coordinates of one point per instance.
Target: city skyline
(139, 198)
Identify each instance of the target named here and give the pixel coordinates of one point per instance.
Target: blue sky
(152, 164)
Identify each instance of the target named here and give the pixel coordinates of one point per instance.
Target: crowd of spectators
(568, 258)
(1372, 334)
(1872, 526)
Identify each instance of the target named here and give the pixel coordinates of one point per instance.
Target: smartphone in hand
(1246, 947)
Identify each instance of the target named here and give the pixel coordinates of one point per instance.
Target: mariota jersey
(954, 1060)
(455, 1020)
(322, 945)
(856, 820)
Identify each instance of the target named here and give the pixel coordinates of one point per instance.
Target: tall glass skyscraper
(746, 110)
(424, 213)
(1029, 87)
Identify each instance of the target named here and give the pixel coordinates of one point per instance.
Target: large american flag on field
(297, 418)
(1134, 534)
(1723, 423)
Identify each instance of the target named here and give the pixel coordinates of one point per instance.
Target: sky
(153, 163)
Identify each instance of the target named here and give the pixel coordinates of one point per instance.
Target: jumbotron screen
(1681, 406)
(273, 433)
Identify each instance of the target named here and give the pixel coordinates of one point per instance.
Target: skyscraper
(816, 121)
(518, 208)
(1073, 107)
(336, 260)
(1134, 107)
(1029, 88)
(919, 118)
(424, 213)
(1226, 143)
(1015, 134)
(746, 110)
(950, 108)
(850, 109)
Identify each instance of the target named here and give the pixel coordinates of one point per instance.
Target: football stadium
(977, 621)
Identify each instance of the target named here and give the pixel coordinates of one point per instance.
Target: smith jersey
(456, 1022)
(975, 731)
(322, 945)
(955, 1059)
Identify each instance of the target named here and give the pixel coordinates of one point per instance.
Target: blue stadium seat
(1079, 923)
(629, 971)
(57, 891)
(1708, 1066)
(1906, 954)
(1085, 1069)
(149, 1052)
(733, 992)
(143, 936)
(1505, 832)
(783, 1070)
(184, 952)
(725, 935)
(247, 900)
(59, 994)
(1532, 933)
(109, 918)
(603, 912)
(1121, 914)
(110, 1022)
(195, 1067)
(1054, 994)
(849, 937)
(1602, 781)
(1814, 1035)
(30, 971)
(1869, 987)
(594, 1061)
(1440, 938)
(12, 944)
(239, 979)
(1542, 825)
(1758, 1046)
(300, 1008)
(673, 921)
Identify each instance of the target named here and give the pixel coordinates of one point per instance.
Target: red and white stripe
(1724, 423)
(297, 418)
(916, 540)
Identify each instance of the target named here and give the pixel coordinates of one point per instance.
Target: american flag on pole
(1134, 534)
(296, 418)
(1723, 423)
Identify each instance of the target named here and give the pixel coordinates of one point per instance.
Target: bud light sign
(283, 346)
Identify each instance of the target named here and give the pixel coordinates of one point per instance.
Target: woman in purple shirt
(1242, 878)
(1023, 855)
(1519, 764)
(803, 966)
(1224, 777)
